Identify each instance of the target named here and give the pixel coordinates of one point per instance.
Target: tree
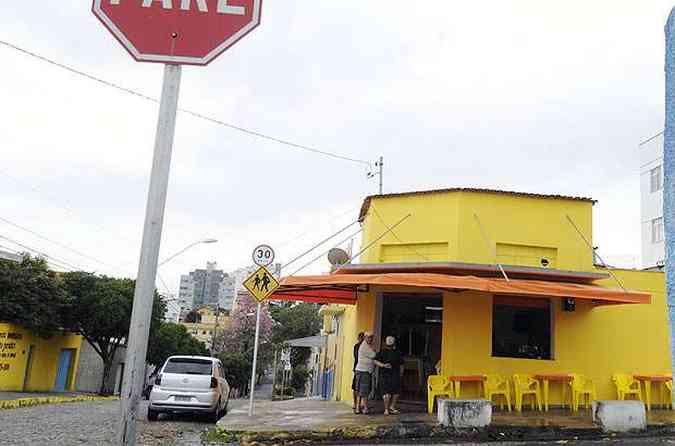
(235, 343)
(293, 321)
(172, 339)
(99, 309)
(31, 295)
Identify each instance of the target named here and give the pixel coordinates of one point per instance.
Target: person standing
(355, 394)
(365, 367)
(390, 377)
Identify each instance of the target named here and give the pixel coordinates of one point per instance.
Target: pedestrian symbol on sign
(261, 284)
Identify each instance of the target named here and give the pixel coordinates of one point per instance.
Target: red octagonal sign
(178, 31)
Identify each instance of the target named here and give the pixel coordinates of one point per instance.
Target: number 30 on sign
(263, 255)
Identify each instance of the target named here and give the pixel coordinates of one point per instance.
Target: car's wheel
(227, 403)
(153, 415)
(215, 415)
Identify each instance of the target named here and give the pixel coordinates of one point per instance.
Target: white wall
(651, 156)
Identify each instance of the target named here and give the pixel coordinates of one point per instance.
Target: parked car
(190, 384)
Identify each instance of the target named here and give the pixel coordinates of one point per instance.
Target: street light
(205, 241)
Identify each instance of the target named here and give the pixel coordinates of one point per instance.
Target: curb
(423, 434)
(38, 401)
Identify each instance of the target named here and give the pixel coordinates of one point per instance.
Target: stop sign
(178, 31)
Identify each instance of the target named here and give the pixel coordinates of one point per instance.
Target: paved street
(94, 424)
(91, 424)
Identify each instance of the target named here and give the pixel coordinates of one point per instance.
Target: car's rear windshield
(188, 366)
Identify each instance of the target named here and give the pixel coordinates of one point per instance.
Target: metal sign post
(192, 33)
(261, 284)
(139, 330)
(255, 360)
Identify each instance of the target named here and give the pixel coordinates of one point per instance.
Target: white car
(190, 384)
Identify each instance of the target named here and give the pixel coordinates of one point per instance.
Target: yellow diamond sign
(261, 284)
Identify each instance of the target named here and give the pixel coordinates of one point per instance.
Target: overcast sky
(528, 95)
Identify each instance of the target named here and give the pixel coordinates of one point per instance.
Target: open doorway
(416, 321)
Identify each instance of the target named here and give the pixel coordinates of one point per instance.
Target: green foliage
(299, 377)
(31, 295)
(172, 339)
(293, 321)
(237, 368)
(99, 308)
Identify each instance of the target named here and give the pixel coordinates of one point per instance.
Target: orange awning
(343, 288)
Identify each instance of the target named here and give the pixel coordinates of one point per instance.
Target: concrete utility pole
(139, 330)
(669, 178)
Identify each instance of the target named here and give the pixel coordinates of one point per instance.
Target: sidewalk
(313, 421)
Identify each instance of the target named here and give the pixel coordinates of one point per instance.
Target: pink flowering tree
(234, 344)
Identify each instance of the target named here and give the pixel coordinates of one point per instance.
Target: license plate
(182, 399)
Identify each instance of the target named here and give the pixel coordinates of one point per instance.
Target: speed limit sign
(263, 255)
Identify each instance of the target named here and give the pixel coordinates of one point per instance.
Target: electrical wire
(326, 240)
(195, 114)
(404, 244)
(73, 250)
(53, 200)
(51, 259)
(326, 252)
(313, 229)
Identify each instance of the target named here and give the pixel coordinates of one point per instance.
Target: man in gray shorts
(364, 372)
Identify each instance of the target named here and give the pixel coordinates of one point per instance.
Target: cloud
(549, 97)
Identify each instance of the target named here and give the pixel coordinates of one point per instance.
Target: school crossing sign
(261, 284)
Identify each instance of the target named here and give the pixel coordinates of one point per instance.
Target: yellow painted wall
(14, 347)
(448, 219)
(357, 318)
(433, 221)
(595, 341)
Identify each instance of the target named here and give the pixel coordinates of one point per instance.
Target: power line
(407, 246)
(54, 260)
(326, 252)
(313, 229)
(326, 240)
(195, 114)
(53, 201)
(73, 250)
(648, 140)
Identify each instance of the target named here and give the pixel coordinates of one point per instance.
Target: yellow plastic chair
(496, 385)
(626, 385)
(438, 385)
(582, 387)
(669, 387)
(526, 385)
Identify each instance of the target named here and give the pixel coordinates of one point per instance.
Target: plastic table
(458, 379)
(648, 380)
(563, 378)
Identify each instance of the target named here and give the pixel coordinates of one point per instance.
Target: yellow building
(29, 363)
(207, 324)
(475, 282)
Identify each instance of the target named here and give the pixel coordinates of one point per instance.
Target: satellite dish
(337, 257)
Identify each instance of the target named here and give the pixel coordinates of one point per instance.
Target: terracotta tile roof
(366, 202)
